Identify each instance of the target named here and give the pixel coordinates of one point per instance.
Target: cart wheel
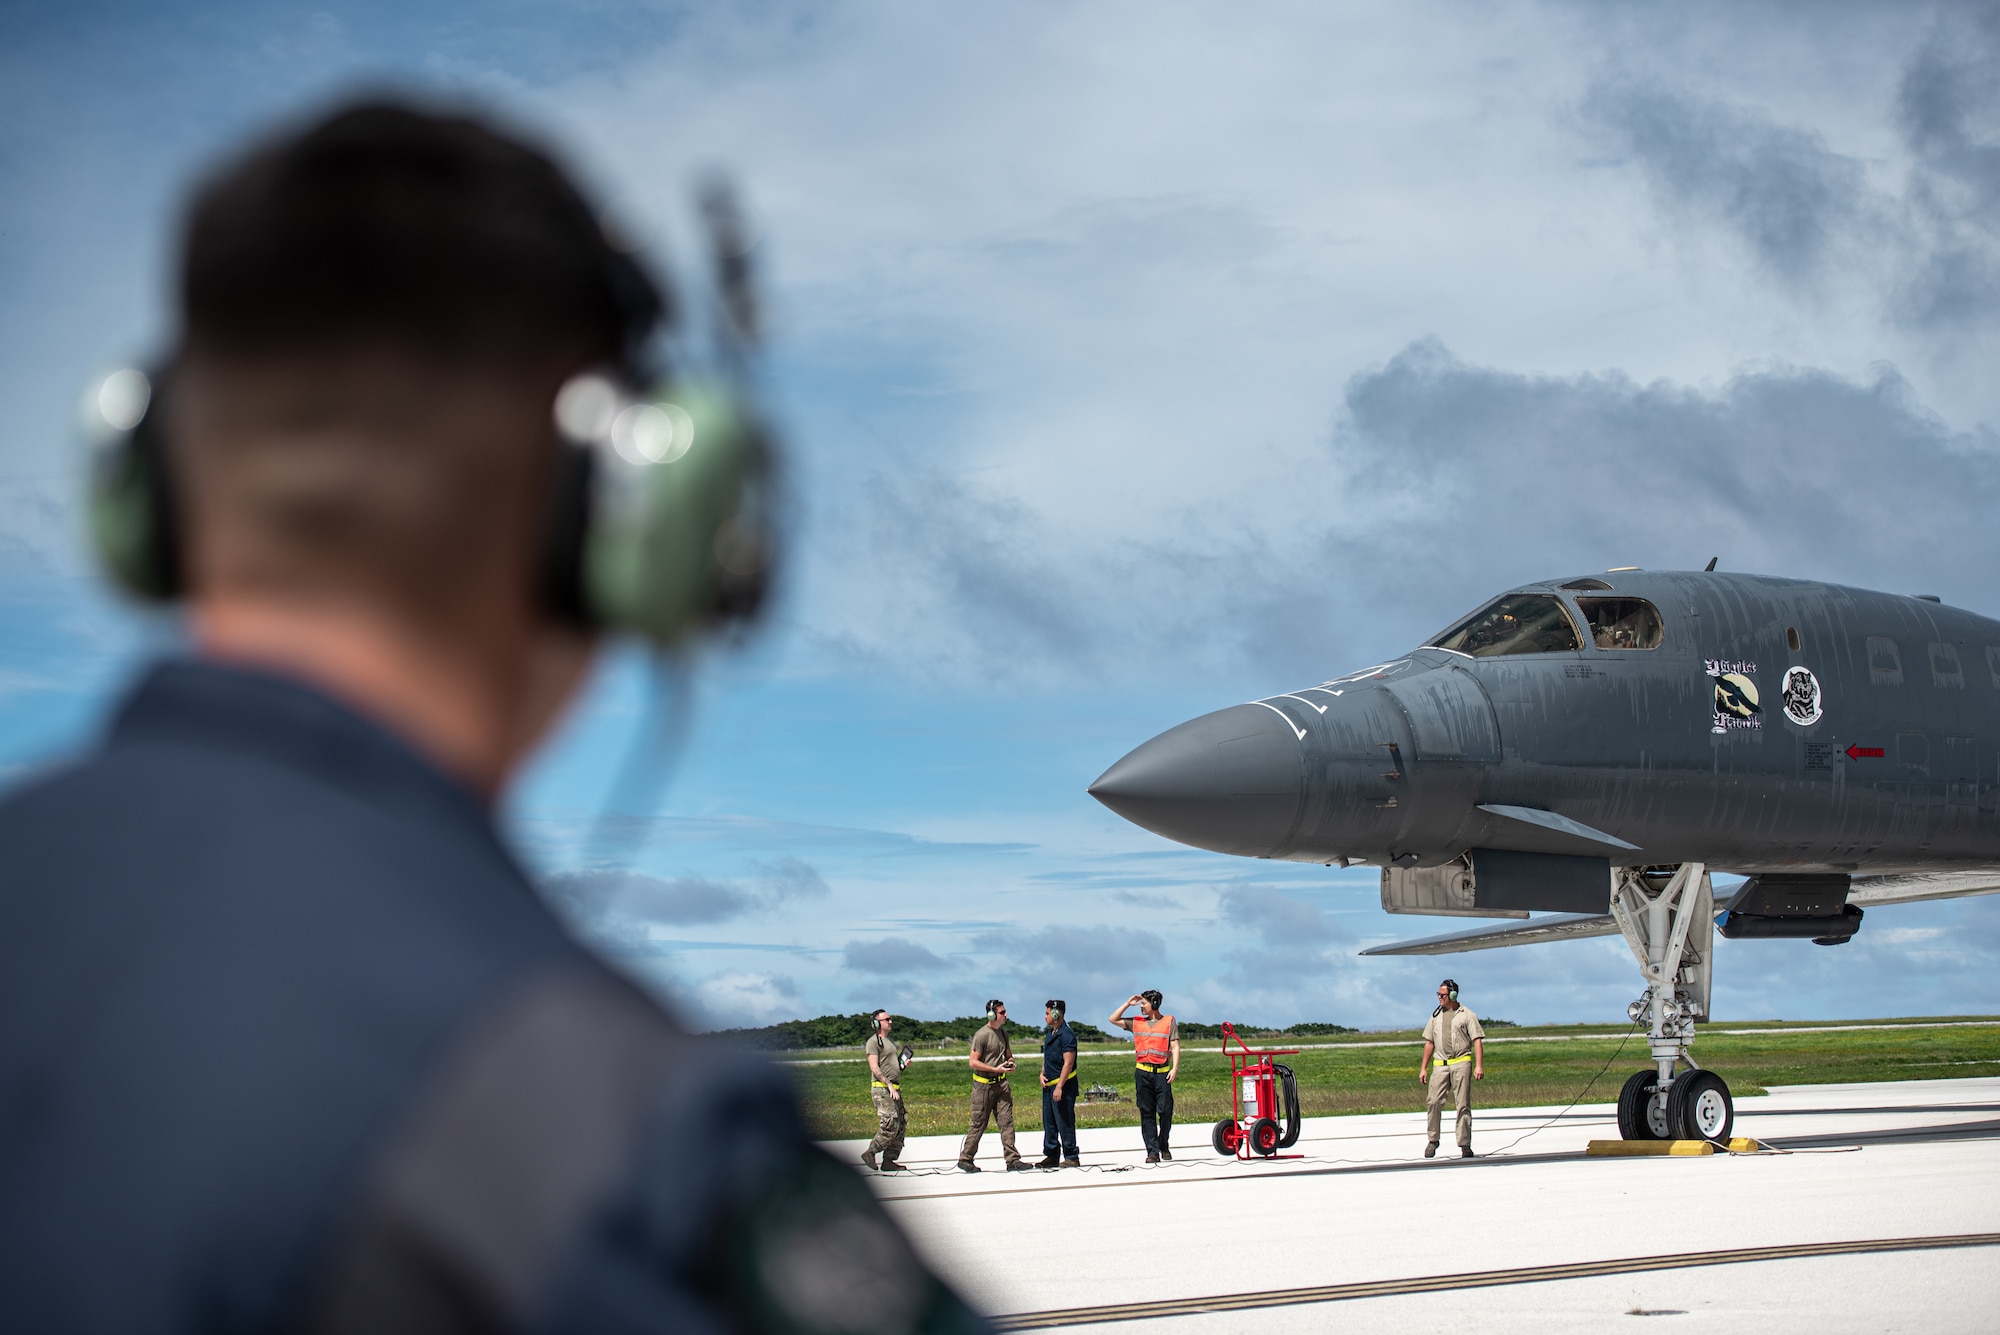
(1264, 1136)
(1226, 1138)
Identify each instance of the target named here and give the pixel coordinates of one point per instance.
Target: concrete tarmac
(1361, 1227)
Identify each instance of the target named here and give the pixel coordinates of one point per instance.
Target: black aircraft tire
(1223, 1137)
(1699, 1107)
(1632, 1101)
(1264, 1136)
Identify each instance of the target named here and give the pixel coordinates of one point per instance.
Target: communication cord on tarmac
(1573, 1102)
(1317, 1159)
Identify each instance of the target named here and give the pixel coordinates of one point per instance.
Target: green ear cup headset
(668, 497)
(661, 522)
(133, 518)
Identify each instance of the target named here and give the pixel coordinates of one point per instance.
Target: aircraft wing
(1870, 891)
(1865, 892)
(1555, 927)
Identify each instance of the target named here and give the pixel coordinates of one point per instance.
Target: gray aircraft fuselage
(1774, 726)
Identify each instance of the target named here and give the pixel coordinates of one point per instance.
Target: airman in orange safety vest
(1156, 1047)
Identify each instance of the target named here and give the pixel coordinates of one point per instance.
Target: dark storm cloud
(1788, 471)
(1948, 108)
(890, 956)
(1779, 189)
(1443, 482)
(1454, 481)
(1809, 215)
(1948, 103)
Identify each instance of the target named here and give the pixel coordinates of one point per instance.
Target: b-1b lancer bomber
(1596, 748)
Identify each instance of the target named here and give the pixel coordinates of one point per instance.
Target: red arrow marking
(1860, 752)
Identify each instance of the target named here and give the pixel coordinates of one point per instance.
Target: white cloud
(1123, 357)
(1906, 936)
(1068, 377)
(739, 999)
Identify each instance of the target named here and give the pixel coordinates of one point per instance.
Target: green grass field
(1348, 1075)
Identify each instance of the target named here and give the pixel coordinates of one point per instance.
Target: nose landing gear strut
(1668, 918)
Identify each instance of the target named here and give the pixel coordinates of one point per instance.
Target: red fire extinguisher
(1258, 1084)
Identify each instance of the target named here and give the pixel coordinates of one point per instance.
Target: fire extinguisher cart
(1257, 1084)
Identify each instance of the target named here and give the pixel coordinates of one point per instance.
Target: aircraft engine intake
(1500, 883)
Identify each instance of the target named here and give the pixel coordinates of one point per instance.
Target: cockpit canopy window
(1622, 623)
(1520, 623)
(1588, 584)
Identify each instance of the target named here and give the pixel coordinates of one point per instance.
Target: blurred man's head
(1150, 1002)
(377, 312)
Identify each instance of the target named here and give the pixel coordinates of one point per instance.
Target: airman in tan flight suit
(1454, 1056)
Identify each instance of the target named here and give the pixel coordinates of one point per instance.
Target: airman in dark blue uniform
(287, 1039)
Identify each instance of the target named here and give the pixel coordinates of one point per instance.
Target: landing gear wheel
(1640, 1114)
(1699, 1107)
(1264, 1136)
(1226, 1138)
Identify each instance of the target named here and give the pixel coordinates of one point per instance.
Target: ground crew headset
(660, 521)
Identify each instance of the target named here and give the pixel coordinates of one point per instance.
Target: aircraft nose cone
(1231, 781)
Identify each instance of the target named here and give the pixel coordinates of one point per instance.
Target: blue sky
(1135, 360)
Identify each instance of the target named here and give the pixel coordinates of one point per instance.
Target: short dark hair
(1152, 996)
(391, 220)
(1059, 1007)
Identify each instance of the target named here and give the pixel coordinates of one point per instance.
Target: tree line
(846, 1031)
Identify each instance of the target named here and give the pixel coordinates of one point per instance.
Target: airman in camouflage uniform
(886, 1060)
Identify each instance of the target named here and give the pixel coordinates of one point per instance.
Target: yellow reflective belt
(881, 1084)
(1155, 1067)
(989, 1080)
(1454, 1061)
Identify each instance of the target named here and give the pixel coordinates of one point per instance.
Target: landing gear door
(1698, 954)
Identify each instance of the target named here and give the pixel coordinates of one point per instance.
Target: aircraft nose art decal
(1736, 703)
(1803, 701)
